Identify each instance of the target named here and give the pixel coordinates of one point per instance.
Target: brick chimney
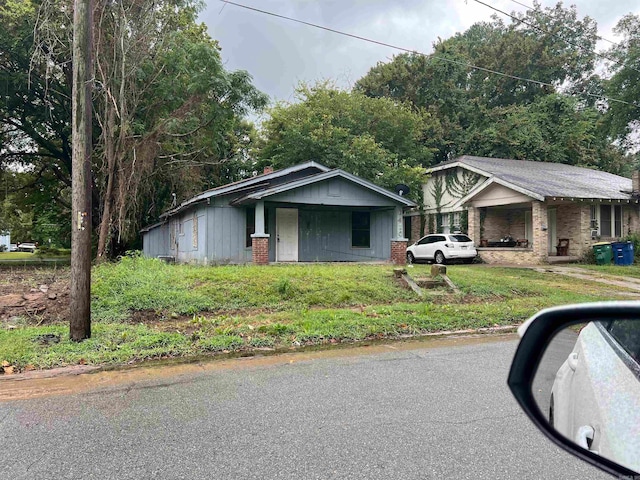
(635, 182)
(268, 169)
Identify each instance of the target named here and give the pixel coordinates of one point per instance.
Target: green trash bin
(603, 253)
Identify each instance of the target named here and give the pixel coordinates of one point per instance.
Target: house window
(251, 225)
(610, 220)
(407, 227)
(444, 223)
(361, 229)
(250, 213)
(617, 220)
(456, 222)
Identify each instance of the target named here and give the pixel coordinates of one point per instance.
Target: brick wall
(631, 219)
(398, 252)
(516, 223)
(415, 233)
(260, 250)
(496, 224)
(572, 222)
(511, 256)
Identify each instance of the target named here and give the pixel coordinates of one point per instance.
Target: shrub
(634, 238)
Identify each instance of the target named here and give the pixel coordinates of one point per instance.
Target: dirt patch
(40, 296)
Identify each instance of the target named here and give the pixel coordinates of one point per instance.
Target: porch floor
(554, 259)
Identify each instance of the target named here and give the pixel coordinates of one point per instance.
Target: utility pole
(80, 322)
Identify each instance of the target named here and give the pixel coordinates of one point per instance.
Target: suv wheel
(439, 257)
(410, 258)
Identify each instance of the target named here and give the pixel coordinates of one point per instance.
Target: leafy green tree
(378, 139)
(552, 46)
(624, 84)
(554, 128)
(166, 111)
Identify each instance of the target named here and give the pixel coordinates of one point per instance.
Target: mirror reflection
(588, 387)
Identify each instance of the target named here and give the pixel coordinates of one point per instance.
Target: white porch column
(398, 229)
(259, 218)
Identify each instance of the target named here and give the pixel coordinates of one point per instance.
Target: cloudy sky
(279, 53)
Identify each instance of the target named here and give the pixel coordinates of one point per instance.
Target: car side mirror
(576, 374)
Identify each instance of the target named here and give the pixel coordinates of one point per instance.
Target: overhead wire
(416, 52)
(533, 8)
(540, 29)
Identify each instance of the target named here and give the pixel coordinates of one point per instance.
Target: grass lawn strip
(299, 305)
(615, 270)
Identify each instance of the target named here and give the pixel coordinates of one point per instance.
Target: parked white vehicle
(441, 247)
(27, 247)
(595, 398)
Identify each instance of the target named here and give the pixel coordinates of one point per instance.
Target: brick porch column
(540, 222)
(473, 228)
(399, 251)
(260, 249)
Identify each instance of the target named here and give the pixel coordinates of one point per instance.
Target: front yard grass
(144, 308)
(616, 270)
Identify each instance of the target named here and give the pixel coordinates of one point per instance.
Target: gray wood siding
(194, 222)
(325, 236)
(155, 242)
(335, 191)
(226, 230)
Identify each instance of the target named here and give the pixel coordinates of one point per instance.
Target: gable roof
(268, 184)
(542, 180)
(319, 177)
(253, 182)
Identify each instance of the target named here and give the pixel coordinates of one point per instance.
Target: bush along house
(304, 213)
(525, 212)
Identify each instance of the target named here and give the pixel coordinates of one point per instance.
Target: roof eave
(321, 177)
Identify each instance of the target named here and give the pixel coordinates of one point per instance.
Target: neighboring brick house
(517, 211)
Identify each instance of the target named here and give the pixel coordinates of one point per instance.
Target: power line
(408, 50)
(533, 8)
(540, 29)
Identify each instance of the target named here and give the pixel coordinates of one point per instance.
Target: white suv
(440, 247)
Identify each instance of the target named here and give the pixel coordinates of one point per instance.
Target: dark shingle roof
(549, 179)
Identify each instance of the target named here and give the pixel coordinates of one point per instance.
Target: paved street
(407, 411)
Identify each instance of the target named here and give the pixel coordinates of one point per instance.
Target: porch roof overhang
(254, 182)
(331, 174)
(496, 181)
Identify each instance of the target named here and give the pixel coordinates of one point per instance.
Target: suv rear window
(459, 238)
(627, 333)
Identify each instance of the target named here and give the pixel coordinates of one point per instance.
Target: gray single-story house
(305, 213)
(520, 211)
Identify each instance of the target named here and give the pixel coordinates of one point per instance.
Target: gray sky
(279, 53)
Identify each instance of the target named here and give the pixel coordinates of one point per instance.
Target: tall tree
(551, 45)
(166, 111)
(624, 84)
(378, 139)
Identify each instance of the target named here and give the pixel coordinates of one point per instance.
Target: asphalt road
(425, 410)
(554, 356)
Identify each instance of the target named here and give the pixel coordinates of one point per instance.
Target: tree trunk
(106, 220)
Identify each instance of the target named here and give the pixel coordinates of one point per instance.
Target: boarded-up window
(361, 229)
(195, 232)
